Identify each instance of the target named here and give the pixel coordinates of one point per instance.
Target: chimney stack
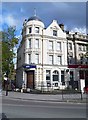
(61, 26)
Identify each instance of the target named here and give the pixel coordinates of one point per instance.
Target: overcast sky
(72, 15)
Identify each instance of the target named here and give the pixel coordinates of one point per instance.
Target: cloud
(10, 20)
(80, 30)
(72, 15)
(22, 10)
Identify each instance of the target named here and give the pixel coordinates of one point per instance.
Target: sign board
(77, 66)
(29, 66)
(82, 84)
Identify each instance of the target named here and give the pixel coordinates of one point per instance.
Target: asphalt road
(16, 108)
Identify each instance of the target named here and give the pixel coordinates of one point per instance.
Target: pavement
(46, 97)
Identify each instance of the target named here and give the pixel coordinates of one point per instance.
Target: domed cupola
(34, 18)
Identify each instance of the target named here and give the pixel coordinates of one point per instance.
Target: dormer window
(54, 32)
(36, 29)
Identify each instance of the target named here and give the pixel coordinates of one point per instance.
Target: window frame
(50, 45)
(50, 60)
(48, 75)
(36, 29)
(59, 62)
(58, 44)
(54, 32)
(36, 47)
(36, 60)
(30, 29)
(29, 43)
(70, 46)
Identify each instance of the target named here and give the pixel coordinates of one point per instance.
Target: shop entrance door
(30, 79)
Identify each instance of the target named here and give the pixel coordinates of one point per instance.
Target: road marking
(45, 106)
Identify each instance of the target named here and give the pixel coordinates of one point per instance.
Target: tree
(9, 41)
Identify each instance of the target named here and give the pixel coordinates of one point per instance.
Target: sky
(71, 14)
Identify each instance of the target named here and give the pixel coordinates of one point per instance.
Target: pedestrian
(6, 83)
(12, 86)
(6, 86)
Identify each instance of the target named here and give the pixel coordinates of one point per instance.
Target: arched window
(55, 75)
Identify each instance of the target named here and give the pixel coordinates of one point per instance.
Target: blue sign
(29, 66)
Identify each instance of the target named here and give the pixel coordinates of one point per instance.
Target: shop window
(56, 84)
(55, 75)
(47, 74)
(63, 77)
(81, 74)
(48, 84)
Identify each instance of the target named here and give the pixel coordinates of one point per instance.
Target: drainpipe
(75, 57)
(42, 64)
(67, 58)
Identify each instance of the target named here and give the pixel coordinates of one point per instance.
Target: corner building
(42, 56)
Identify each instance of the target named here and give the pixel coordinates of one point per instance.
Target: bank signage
(29, 66)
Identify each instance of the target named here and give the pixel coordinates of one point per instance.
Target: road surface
(16, 108)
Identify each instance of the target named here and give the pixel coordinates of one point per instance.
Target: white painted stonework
(46, 48)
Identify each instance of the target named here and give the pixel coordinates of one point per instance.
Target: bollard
(81, 95)
(62, 95)
(6, 92)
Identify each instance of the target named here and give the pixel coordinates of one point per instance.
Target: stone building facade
(44, 54)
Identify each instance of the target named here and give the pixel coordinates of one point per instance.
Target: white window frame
(36, 29)
(58, 46)
(29, 58)
(51, 59)
(30, 29)
(54, 32)
(50, 45)
(59, 60)
(29, 43)
(36, 58)
(36, 43)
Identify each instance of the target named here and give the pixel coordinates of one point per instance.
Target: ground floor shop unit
(78, 76)
(48, 77)
(44, 77)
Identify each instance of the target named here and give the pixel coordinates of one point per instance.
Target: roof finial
(34, 11)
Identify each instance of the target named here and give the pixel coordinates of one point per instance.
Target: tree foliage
(9, 41)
